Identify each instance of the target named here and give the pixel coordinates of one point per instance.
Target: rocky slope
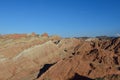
(91, 58)
(43, 57)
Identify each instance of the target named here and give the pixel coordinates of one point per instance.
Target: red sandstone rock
(93, 61)
(21, 57)
(45, 35)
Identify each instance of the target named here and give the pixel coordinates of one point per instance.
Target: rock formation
(55, 58)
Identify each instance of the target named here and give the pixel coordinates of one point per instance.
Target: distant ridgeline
(17, 36)
(99, 37)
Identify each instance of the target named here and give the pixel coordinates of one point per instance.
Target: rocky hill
(44, 57)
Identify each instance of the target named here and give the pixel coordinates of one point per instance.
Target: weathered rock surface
(31, 57)
(91, 59)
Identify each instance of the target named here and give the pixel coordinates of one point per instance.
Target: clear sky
(66, 18)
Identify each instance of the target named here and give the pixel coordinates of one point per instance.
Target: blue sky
(66, 18)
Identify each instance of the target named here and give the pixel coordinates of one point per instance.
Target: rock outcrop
(92, 59)
(25, 57)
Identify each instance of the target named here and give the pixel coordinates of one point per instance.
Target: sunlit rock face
(34, 57)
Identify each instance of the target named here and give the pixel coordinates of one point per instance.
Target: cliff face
(54, 58)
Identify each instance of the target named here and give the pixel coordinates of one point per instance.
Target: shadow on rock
(44, 69)
(78, 77)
